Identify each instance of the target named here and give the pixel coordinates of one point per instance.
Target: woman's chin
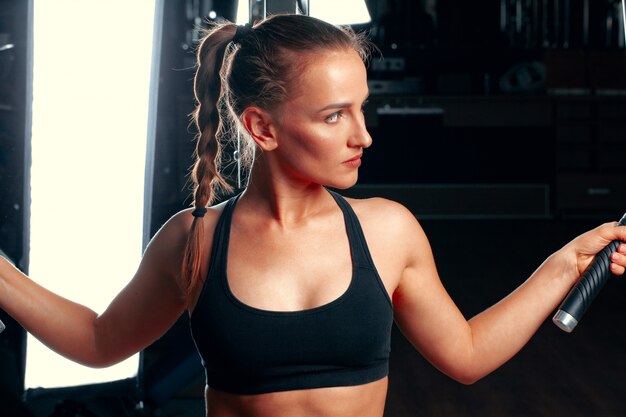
(343, 185)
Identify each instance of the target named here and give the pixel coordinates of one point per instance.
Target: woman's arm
(468, 350)
(143, 311)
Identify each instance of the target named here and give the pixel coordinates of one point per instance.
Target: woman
(291, 289)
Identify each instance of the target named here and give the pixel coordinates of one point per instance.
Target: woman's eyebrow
(336, 106)
(342, 105)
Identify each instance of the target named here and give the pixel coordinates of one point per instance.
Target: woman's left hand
(586, 246)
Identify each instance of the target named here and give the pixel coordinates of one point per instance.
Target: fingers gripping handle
(587, 288)
(585, 291)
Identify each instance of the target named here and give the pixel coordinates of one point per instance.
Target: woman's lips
(354, 162)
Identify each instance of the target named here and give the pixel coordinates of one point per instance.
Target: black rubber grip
(587, 288)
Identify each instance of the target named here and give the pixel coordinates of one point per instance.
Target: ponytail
(205, 174)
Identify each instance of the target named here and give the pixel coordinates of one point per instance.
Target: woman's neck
(283, 199)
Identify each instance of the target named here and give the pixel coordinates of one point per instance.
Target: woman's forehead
(329, 74)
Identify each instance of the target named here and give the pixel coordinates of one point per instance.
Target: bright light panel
(243, 12)
(90, 107)
(343, 12)
(337, 12)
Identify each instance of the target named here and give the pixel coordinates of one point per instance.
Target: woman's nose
(360, 137)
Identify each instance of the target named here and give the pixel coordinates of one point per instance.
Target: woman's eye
(333, 117)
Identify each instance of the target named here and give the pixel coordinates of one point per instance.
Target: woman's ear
(259, 125)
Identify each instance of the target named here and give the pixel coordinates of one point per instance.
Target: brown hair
(257, 71)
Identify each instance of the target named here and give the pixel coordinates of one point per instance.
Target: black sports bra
(245, 350)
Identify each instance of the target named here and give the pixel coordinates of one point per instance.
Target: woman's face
(321, 130)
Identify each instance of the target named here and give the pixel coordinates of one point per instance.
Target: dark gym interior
(501, 124)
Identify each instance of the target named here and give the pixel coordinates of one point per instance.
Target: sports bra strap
(222, 235)
(358, 245)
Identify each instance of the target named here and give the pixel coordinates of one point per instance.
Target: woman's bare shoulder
(177, 227)
(387, 220)
(166, 248)
(382, 210)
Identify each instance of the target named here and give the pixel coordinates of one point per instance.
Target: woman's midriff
(366, 400)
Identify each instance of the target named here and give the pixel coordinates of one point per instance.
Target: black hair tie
(199, 212)
(242, 32)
